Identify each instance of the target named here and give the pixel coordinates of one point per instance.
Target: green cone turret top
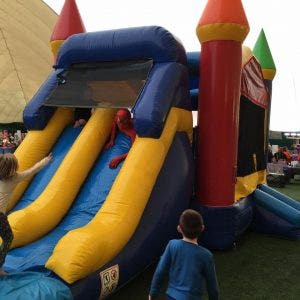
(262, 52)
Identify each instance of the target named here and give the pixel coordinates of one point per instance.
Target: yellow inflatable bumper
(48, 209)
(84, 250)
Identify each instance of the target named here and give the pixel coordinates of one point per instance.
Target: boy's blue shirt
(187, 265)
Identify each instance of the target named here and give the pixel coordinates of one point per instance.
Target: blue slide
(41, 180)
(33, 257)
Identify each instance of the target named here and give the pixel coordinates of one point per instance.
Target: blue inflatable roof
(139, 43)
(166, 85)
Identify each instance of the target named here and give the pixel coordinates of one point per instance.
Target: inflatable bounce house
(81, 229)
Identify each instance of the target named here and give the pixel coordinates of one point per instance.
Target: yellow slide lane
(86, 249)
(36, 145)
(49, 208)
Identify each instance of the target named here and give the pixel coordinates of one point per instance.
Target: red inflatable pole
(221, 30)
(69, 22)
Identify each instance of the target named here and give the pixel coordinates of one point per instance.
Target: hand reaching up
(48, 158)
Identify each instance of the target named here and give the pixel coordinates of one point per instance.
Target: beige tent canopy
(25, 55)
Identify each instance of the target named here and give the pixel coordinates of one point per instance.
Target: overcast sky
(280, 20)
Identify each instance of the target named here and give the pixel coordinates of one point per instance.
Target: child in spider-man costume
(124, 123)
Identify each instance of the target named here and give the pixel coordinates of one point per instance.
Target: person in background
(5, 139)
(298, 159)
(9, 178)
(287, 155)
(17, 139)
(187, 264)
(279, 155)
(270, 154)
(123, 123)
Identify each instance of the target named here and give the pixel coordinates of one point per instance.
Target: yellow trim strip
(246, 55)
(248, 184)
(222, 31)
(36, 145)
(48, 209)
(86, 249)
(269, 74)
(55, 45)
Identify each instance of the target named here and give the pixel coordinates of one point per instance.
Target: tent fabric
(25, 56)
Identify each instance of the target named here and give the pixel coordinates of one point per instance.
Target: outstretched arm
(132, 134)
(36, 168)
(115, 161)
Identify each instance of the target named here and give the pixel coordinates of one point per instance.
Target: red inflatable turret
(221, 31)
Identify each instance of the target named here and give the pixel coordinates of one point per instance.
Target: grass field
(292, 190)
(261, 267)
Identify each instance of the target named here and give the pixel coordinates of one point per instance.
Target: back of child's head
(8, 166)
(191, 223)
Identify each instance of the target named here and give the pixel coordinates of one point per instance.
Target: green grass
(261, 267)
(292, 190)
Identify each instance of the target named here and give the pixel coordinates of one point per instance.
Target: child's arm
(36, 168)
(161, 269)
(116, 160)
(211, 279)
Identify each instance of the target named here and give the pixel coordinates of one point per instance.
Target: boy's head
(8, 166)
(190, 224)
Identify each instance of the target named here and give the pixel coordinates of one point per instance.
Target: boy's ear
(179, 229)
(203, 227)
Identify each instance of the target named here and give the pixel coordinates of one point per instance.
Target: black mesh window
(251, 152)
(102, 84)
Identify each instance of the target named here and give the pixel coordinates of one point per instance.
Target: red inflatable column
(221, 31)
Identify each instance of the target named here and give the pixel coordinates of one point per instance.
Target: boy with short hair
(187, 264)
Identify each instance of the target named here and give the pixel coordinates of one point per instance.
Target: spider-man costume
(124, 123)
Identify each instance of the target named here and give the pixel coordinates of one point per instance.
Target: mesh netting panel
(102, 84)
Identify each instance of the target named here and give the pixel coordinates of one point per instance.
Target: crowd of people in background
(283, 165)
(11, 140)
(284, 154)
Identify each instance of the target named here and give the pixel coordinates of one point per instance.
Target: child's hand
(114, 162)
(49, 158)
(82, 122)
(76, 124)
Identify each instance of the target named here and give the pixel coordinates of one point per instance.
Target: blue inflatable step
(281, 209)
(33, 286)
(291, 202)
